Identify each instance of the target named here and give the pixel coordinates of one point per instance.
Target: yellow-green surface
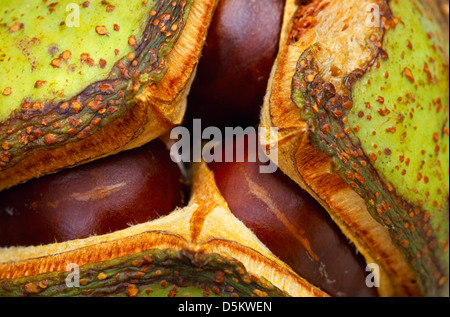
(97, 79)
(26, 55)
(388, 135)
(408, 130)
(405, 140)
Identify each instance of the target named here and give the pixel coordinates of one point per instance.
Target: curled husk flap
(73, 102)
(359, 96)
(199, 250)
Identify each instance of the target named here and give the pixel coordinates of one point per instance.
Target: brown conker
(92, 199)
(240, 50)
(292, 224)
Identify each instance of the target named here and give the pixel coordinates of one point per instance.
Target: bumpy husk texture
(328, 49)
(205, 227)
(153, 110)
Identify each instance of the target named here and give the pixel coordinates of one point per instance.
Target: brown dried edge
(205, 226)
(161, 107)
(312, 170)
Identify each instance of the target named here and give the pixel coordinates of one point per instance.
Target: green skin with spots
(26, 61)
(401, 169)
(105, 90)
(153, 273)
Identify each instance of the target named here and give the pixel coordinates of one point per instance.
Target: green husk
(80, 97)
(392, 147)
(152, 273)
